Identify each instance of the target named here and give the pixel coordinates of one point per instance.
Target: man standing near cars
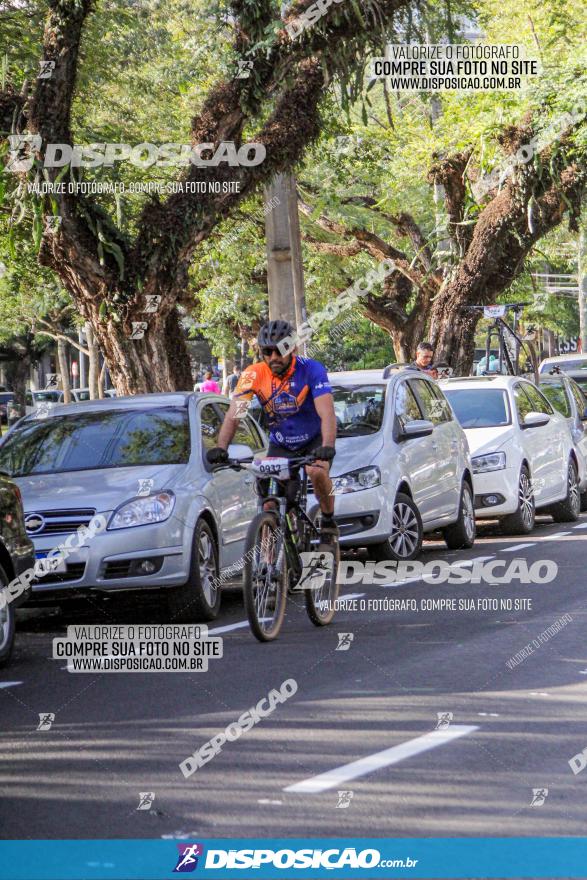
(296, 395)
(424, 355)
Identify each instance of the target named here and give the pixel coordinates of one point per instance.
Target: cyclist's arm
(325, 409)
(235, 412)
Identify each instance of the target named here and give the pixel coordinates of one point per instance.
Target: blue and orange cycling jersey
(288, 400)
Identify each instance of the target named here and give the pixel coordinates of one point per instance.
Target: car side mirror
(535, 420)
(417, 428)
(240, 451)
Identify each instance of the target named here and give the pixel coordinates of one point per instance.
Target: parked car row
(33, 399)
(414, 456)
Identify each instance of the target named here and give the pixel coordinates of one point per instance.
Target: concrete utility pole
(285, 272)
(582, 281)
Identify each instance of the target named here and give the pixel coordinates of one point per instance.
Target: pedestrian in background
(209, 384)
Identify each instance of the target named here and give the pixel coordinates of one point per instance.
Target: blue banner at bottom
(277, 858)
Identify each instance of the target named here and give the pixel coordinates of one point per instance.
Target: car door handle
(435, 447)
(248, 481)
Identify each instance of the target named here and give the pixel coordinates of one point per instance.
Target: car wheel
(569, 508)
(6, 625)
(405, 539)
(198, 600)
(522, 521)
(461, 534)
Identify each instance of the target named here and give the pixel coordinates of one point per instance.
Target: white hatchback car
(402, 464)
(522, 451)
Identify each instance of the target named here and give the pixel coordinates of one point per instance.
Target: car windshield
(565, 366)
(479, 407)
(51, 396)
(95, 440)
(359, 409)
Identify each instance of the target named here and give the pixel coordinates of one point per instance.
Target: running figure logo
(46, 719)
(146, 799)
(187, 860)
(344, 641)
(539, 795)
(316, 566)
(444, 719)
(344, 800)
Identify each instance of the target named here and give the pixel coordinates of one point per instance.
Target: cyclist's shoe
(329, 531)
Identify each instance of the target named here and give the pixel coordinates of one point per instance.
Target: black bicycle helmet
(274, 332)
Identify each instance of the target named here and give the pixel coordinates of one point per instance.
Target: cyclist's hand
(325, 453)
(217, 455)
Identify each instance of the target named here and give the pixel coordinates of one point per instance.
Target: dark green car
(17, 555)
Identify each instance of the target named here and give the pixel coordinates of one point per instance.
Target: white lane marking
(228, 627)
(346, 596)
(554, 537)
(393, 755)
(582, 525)
(538, 694)
(517, 547)
(8, 684)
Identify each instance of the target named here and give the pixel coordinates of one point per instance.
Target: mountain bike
(284, 554)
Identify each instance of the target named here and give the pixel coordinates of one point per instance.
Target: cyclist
(297, 398)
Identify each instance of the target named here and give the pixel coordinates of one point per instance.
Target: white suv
(402, 464)
(523, 455)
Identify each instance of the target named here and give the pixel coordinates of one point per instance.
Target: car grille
(75, 572)
(118, 569)
(59, 522)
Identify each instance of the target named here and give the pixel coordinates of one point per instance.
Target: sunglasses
(267, 352)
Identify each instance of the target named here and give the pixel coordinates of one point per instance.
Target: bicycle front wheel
(265, 577)
(321, 600)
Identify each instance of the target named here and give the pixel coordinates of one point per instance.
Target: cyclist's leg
(319, 473)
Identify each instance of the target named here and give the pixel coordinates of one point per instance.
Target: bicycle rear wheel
(321, 601)
(265, 577)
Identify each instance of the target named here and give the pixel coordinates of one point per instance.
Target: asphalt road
(513, 728)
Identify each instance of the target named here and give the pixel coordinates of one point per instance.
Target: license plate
(50, 566)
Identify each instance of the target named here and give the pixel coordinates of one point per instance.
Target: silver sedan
(137, 465)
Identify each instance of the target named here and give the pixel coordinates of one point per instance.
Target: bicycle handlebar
(244, 464)
(516, 307)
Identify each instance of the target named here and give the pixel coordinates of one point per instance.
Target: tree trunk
(94, 358)
(64, 369)
(17, 374)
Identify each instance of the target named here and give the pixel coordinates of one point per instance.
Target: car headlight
(364, 478)
(494, 461)
(143, 511)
